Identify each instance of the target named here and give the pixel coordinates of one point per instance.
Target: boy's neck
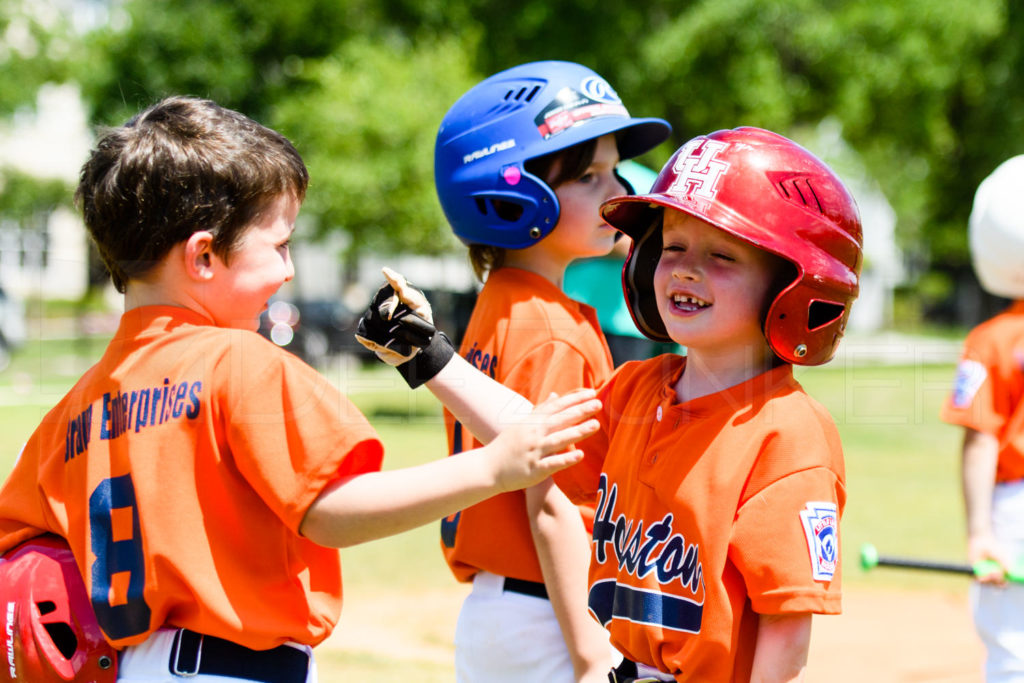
(139, 293)
(538, 263)
(162, 285)
(710, 373)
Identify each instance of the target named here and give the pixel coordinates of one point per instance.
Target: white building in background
(47, 258)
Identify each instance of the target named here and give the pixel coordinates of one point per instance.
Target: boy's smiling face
(711, 287)
(256, 268)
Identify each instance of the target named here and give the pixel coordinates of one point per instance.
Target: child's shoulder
(1010, 318)
(179, 337)
(998, 335)
(523, 288)
(797, 417)
(527, 301)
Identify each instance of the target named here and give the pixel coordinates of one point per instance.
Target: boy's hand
(399, 328)
(531, 451)
(398, 321)
(985, 547)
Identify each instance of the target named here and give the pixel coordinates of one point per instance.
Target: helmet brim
(638, 136)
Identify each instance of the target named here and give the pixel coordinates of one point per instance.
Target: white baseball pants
(506, 637)
(999, 611)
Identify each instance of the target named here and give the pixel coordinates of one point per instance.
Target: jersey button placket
(659, 413)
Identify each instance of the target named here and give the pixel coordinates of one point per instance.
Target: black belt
(537, 590)
(626, 672)
(193, 653)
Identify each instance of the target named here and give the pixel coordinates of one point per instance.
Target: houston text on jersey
(640, 553)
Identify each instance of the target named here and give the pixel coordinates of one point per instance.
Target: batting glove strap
(429, 361)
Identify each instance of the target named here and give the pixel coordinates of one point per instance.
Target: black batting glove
(398, 327)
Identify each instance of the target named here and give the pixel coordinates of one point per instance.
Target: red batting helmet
(769, 191)
(49, 628)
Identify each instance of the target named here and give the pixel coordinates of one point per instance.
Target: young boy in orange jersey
(719, 483)
(526, 210)
(988, 402)
(203, 477)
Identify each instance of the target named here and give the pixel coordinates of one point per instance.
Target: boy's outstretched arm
(379, 504)
(483, 405)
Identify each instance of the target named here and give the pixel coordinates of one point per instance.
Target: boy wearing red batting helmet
(988, 402)
(719, 482)
(201, 476)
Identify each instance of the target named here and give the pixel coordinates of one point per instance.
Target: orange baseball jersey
(528, 335)
(709, 513)
(179, 469)
(989, 386)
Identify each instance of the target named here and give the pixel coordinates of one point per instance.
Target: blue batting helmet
(516, 115)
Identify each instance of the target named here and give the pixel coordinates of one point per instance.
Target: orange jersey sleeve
(989, 387)
(709, 513)
(528, 335)
(179, 469)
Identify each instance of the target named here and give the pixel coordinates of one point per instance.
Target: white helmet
(996, 230)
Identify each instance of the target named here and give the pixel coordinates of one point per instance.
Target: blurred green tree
(245, 54)
(24, 197)
(36, 43)
(359, 86)
(930, 93)
(35, 46)
(366, 125)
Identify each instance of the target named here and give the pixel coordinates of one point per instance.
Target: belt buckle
(190, 669)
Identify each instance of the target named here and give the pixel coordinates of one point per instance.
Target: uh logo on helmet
(522, 113)
(772, 193)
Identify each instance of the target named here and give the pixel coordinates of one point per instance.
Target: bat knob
(868, 556)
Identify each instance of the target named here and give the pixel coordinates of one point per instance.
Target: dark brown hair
(567, 165)
(181, 166)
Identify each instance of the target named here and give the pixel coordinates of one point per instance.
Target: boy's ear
(199, 256)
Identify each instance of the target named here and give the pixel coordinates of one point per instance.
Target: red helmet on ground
(769, 191)
(49, 628)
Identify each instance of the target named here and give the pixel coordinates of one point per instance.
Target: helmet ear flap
(803, 328)
(638, 280)
(52, 630)
(520, 216)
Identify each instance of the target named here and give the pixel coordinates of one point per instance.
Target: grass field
(902, 476)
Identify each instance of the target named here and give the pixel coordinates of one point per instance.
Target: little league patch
(970, 375)
(821, 526)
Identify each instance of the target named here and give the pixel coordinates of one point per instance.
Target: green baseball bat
(869, 559)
